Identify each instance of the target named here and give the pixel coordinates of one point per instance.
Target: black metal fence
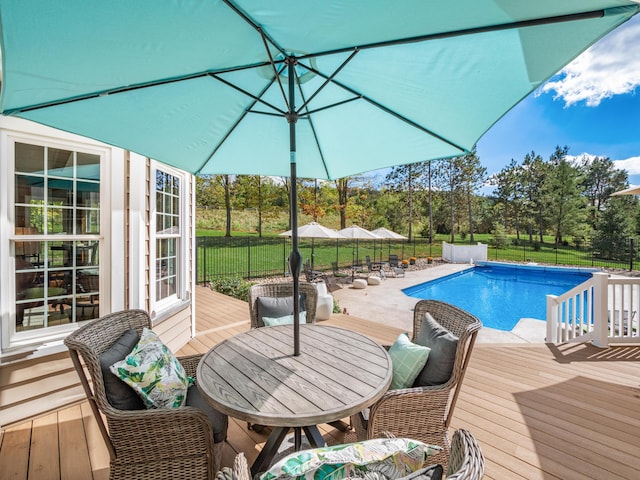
(254, 257)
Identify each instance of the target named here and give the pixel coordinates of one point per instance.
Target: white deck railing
(602, 309)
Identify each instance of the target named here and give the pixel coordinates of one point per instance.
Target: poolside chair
(184, 442)
(424, 411)
(395, 267)
(337, 275)
(312, 275)
(375, 269)
(626, 317)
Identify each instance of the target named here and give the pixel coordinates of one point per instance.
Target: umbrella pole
(295, 260)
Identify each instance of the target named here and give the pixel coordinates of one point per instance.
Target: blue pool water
(501, 294)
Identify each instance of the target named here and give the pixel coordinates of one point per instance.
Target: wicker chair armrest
(466, 460)
(163, 433)
(401, 410)
(190, 363)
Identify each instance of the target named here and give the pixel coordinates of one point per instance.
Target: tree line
(535, 197)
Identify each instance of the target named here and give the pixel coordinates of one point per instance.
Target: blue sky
(592, 106)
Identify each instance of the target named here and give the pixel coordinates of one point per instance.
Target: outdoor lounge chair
(375, 269)
(312, 275)
(425, 412)
(339, 276)
(160, 443)
(465, 462)
(395, 267)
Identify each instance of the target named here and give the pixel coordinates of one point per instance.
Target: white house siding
(39, 379)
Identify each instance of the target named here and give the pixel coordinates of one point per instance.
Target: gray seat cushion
(219, 421)
(442, 357)
(276, 307)
(119, 394)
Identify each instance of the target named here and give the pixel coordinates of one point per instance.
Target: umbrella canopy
(357, 233)
(628, 191)
(313, 230)
(354, 231)
(386, 233)
(204, 86)
(295, 87)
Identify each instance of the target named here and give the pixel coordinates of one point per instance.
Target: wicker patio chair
(424, 413)
(466, 461)
(166, 443)
(280, 290)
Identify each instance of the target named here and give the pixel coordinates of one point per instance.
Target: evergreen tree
(408, 178)
(566, 204)
(534, 173)
(600, 180)
(614, 227)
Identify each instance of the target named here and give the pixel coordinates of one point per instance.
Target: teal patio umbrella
(290, 88)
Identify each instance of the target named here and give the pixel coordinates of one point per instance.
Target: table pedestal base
(277, 436)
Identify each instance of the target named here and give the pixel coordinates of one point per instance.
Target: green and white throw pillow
(407, 360)
(154, 373)
(285, 320)
(392, 457)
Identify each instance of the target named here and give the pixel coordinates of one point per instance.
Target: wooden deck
(538, 411)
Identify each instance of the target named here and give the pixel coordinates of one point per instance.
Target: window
(56, 241)
(169, 241)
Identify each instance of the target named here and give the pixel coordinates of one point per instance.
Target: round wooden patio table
(255, 377)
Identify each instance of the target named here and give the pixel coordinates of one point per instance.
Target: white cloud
(610, 67)
(631, 165)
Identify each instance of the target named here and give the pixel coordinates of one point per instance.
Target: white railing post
(552, 319)
(600, 309)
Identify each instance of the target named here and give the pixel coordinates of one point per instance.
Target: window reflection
(57, 191)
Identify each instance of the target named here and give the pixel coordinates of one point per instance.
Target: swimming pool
(501, 294)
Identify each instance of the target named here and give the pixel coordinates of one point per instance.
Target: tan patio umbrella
(389, 235)
(628, 191)
(356, 232)
(313, 230)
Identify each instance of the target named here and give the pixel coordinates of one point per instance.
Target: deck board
(540, 412)
(44, 461)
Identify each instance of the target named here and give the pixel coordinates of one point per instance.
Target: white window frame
(12, 341)
(159, 306)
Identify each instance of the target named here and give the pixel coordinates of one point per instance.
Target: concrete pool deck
(385, 303)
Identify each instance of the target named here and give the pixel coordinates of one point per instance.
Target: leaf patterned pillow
(392, 457)
(154, 373)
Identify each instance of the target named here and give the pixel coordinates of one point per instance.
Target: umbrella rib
(139, 86)
(240, 117)
(332, 105)
(328, 79)
(255, 98)
(254, 25)
(313, 128)
(273, 66)
(467, 31)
